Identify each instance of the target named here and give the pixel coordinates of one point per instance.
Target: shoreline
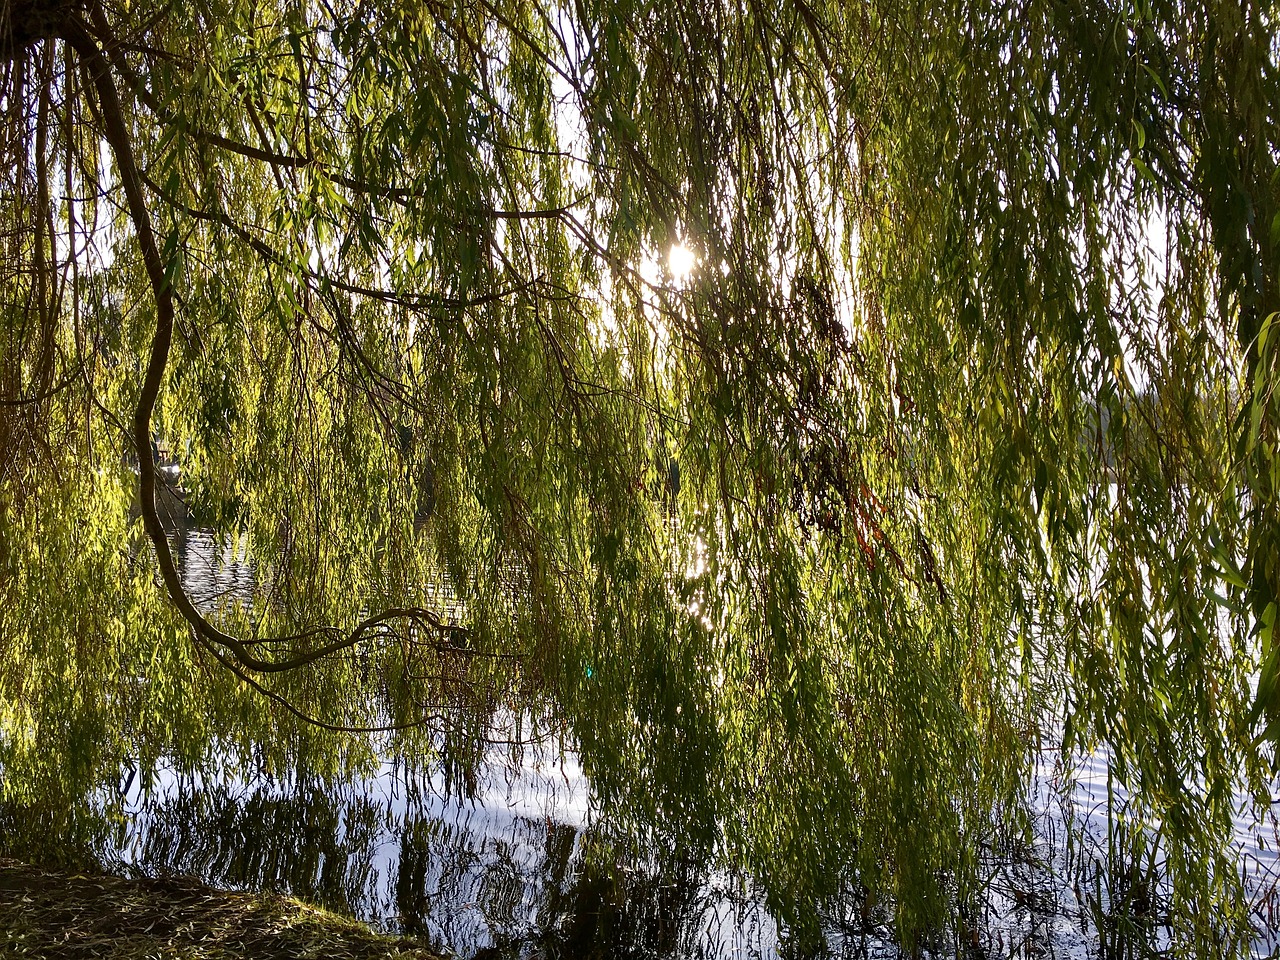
(69, 915)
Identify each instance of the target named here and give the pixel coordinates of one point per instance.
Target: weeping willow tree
(950, 431)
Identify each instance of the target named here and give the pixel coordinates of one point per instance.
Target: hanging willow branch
(70, 27)
(928, 440)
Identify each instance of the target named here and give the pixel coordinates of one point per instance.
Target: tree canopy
(953, 434)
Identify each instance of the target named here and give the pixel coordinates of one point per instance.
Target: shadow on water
(516, 868)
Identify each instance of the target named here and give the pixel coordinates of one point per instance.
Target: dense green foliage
(961, 434)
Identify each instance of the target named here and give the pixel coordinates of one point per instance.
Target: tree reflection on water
(512, 864)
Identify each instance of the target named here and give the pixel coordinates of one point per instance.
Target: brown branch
(79, 37)
(274, 158)
(46, 393)
(273, 256)
(236, 668)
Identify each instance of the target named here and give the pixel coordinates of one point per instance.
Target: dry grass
(76, 917)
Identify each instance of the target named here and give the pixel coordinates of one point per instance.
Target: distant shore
(49, 913)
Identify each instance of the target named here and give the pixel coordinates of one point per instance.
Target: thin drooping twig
(77, 34)
(276, 159)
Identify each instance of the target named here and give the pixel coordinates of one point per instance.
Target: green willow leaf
(817, 409)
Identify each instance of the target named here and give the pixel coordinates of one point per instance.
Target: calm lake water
(513, 861)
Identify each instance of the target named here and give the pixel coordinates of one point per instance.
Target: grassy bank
(74, 917)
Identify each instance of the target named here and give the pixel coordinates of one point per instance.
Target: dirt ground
(76, 917)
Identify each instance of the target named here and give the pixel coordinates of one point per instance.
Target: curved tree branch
(78, 35)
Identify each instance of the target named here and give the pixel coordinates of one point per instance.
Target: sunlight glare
(681, 261)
